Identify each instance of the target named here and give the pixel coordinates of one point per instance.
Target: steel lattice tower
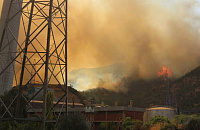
(33, 45)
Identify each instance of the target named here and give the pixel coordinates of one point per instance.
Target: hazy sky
(1, 3)
(143, 34)
(146, 35)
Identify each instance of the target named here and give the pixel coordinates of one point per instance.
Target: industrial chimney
(9, 30)
(131, 103)
(116, 103)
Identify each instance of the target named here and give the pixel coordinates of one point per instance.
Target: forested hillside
(184, 92)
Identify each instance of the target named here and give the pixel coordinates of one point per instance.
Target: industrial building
(98, 115)
(151, 112)
(115, 114)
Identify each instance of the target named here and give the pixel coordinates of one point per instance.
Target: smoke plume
(143, 35)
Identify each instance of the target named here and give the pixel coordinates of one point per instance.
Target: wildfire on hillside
(165, 72)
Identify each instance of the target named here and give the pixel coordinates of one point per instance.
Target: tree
(193, 124)
(74, 121)
(187, 121)
(181, 119)
(147, 126)
(159, 121)
(130, 124)
(11, 125)
(7, 98)
(49, 104)
(169, 127)
(8, 125)
(107, 126)
(190, 122)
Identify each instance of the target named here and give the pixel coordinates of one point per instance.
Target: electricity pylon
(40, 52)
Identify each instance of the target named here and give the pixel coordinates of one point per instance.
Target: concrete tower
(9, 31)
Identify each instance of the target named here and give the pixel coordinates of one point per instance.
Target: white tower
(9, 30)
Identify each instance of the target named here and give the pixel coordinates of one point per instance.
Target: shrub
(75, 121)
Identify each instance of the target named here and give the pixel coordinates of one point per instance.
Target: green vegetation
(163, 122)
(159, 120)
(49, 104)
(8, 98)
(188, 122)
(11, 125)
(130, 124)
(179, 122)
(77, 93)
(74, 121)
(185, 93)
(107, 126)
(143, 93)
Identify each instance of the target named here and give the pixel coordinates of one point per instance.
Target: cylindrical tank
(159, 111)
(9, 44)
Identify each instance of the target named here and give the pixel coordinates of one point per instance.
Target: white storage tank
(159, 111)
(8, 51)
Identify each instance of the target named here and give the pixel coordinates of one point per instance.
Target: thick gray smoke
(142, 35)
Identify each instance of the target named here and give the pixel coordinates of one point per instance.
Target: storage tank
(9, 44)
(159, 111)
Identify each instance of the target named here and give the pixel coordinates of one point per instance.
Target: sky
(134, 31)
(1, 3)
(143, 35)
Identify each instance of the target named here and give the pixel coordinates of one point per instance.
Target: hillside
(187, 90)
(184, 92)
(73, 94)
(143, 93)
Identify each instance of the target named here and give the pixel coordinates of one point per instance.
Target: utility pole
(168, 97)
(47, 63)
(66, 63)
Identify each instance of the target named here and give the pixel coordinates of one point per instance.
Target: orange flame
(165, 71)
